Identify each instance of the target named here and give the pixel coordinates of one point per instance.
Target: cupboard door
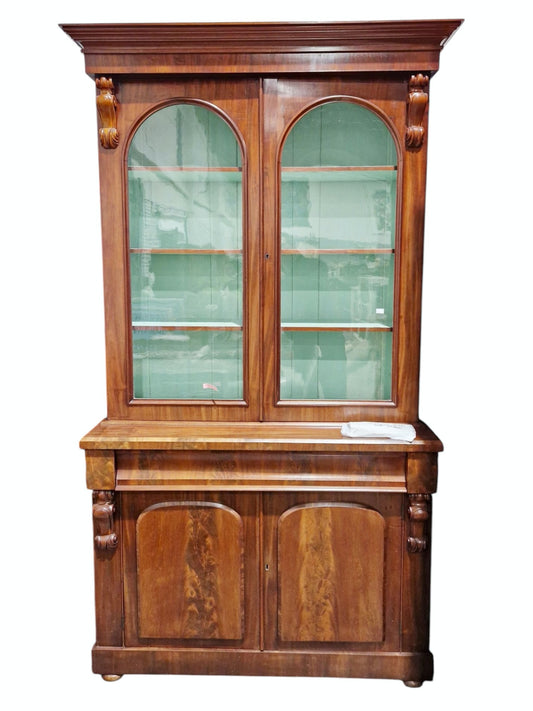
(330, 563)
(189, 571)
(187, 576)
(331, 573)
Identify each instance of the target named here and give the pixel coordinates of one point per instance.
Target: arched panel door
(331, 563)
(190, 583)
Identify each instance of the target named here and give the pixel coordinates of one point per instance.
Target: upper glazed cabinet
(262, 231)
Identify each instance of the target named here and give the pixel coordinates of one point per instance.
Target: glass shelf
(311, 252)
(185, 326)
(336, 364)
(345, 214)
(191, 364)
(335, 174)
(178, 174)
(324, 326)
(347, 288)
(146, 250)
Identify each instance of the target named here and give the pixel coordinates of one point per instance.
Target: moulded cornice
(263, 37)
(262, 47)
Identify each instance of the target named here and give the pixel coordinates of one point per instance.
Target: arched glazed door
(334, 253)
(186, 256)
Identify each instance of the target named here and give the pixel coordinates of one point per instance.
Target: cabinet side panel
(331, 573)
(190, 572)
(416, 575)
(108, 580)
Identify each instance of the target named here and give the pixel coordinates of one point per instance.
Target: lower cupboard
(297, 583)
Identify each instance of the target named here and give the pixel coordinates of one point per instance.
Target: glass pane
(338, 224)
(198, 365)
(353, 289)
(338, 209)
(184, 135)
(339, 133)
(336, 365)
(186, 288)
(185, 220)
(187, 209)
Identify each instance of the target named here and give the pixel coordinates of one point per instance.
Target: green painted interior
(185, 225)
(338, 217)
(338, 224)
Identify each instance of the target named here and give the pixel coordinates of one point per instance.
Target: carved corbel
(105, 538)
(417, 102)
(106, 105)
(418, 511)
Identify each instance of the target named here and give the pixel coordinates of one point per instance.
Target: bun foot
(111, 677)
(413, 684)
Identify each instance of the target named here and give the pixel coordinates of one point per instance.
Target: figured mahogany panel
(100, 469)
(331, 573)
(190, 571)
(258, 471)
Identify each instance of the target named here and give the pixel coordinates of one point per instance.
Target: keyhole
(267, 567)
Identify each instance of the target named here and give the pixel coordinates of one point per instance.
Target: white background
(475, 382)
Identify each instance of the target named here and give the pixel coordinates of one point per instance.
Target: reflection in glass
(353, 289)
(338, 224)
(335, 365)
(187, 364)
(338, 209)
(185, 226)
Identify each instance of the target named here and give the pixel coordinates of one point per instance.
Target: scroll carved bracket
(107, 105)
(417, 102)
(418, 511)
(105, 538)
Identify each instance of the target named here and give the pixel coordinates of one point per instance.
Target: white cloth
(390, 430)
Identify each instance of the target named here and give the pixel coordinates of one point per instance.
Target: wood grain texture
(108, 582)
(246, 436)
(259, 471)
(106, 105)
(105, 538)
(370, 665)
(416, 585)
(416, 107)
(100, 468)
(422, 471)
(262, 47)
(331, 572)
(190, 571)
(311, 571)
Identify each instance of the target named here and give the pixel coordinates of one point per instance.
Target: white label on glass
(380, 311)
